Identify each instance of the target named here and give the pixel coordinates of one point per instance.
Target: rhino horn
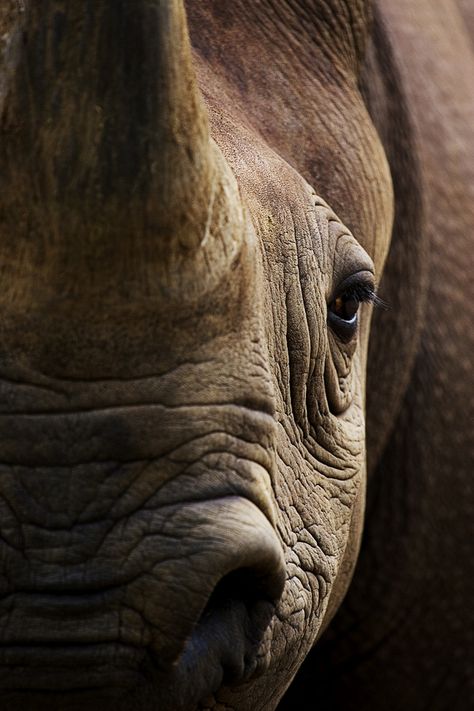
(106, 156)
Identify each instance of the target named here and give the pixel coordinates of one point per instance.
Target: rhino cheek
(307, 606)
(319, 483)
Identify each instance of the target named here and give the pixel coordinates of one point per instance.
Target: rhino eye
(343, 309)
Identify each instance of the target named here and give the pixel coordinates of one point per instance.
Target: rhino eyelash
(364, 294)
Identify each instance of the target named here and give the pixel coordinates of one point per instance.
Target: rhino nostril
(236, 570)
(246, 585)
(249, 601)
(238, 615)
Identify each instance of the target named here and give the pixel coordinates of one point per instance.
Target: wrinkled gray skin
(183, 450)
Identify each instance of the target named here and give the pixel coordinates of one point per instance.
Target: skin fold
(187, 189)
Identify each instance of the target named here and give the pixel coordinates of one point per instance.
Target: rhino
(199, 204)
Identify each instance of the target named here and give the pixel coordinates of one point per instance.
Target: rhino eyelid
(363, 294)
(360, 286)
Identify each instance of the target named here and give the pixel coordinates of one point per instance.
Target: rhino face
(183, 343)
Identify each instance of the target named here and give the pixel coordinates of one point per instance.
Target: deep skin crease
(187, 409)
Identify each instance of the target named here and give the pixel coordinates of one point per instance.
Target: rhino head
(183, 345)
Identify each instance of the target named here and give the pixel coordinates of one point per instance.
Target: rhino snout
(198, 617)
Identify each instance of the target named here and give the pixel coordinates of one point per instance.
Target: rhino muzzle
(200, 617)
